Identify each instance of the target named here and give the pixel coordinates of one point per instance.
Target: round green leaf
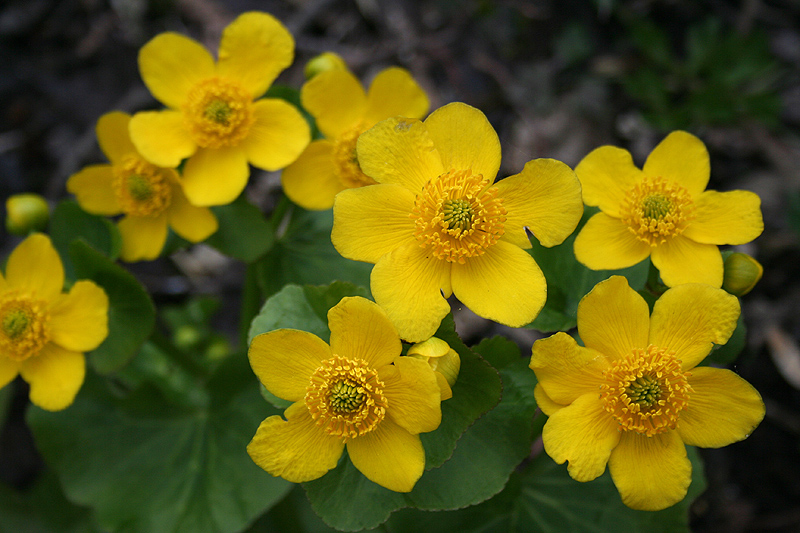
(243, 231)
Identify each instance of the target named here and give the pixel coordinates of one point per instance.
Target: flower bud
(742, 272)
(322, 63)
(26, 213)
(443, 360)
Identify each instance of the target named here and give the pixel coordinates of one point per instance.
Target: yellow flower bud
(742, 272)
(26, 213)
(322, 63)
(443, 360)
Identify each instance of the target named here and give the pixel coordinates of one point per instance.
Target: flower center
(346, 398)
(458, 216)
(24, 326)
(142, 188)
(218, 113)
(345, 160)
(646, 391)
(657, 209)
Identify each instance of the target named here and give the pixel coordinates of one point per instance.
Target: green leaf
(568, 281)
(243, 231)
(70, 223)
(131, 314)
(146, 466)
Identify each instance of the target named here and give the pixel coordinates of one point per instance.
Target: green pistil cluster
(15, 323)
(218, 111)
(458, 214)
(345, 397)
(139, 188)
(656, 206)
(644, 391)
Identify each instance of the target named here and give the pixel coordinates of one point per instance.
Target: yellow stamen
(458, 215)
(646, 391)
(345, 160)
(24, 325)
(346, 398)
(142, 189)
(657, 209)
(218, 112)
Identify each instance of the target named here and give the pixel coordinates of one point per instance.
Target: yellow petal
(254, 49)
(613, 319)
(606, 175)
(369, 222)
(566, 371)
(311, 181)
(433, 347)
(34, 266)
(389, 456)
(8, 370)
(192, 223)
(681, 260)
(413, 393)
(465, 139)
(143, 238)
(278, 135)
(295, 449)
(484, 285)
(361, 330)
(113, 137)
(336, 100)
(723, 409)
(394, 92)
(582, 433)
(92, 187)
(215, 177)
(79, 319)
(545, 198)
(400, 151)
(651, 473)
(161, 138)
(689, 319)
(732, 217)
(55, 376)
(545, 403)
(605, 243)
(171, 64)
(445, 392)
(284, 360)
(680, 157)
(411, 287)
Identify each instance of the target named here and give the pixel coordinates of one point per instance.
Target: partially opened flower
(357, 392)
(214, 119)
(444, 361)
(437, 224)
(343, 111)
(44, 333)
(150, 197)
(662, 211)
(634, 395)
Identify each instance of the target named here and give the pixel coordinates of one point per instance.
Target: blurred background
(555, 78)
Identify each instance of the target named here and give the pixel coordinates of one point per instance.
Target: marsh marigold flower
(662, 211)
(633, 396)
(437, 224)
(44, 333)
(150, 197)
(214, 119)
(343, 111)
(357, 392)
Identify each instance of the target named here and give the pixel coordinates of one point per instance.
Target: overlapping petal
(215, 177)
(613, 319)
(189, 221)
(414, 397)
(566, 371)
(544, 402)
(112, 135)
(732, 217)
(34, 266)
(689, 319)
(682, 158)
(606, 243)
(682, 260)
(284, 360)
(336, 100)
(143, 238)
(651, 473)
(55, 376)
(361, 330)
(311, 181)
(484, 285)
(606, 175)
(161, 137)
(545, 198)
(79, 319)
(92, 186)
(278, 135)
(394, 92)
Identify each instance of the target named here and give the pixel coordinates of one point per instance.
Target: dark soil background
(555, 78)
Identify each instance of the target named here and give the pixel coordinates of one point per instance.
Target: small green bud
(322, 63)
(218, 349)
(26, 213)
(186, 337)
(742, 272)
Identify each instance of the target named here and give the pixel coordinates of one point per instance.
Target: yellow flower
(437, 225)
(343, 111)
(151, 198)
(444, 361)
(634, 395)
(212, 118)
(662, 211)
(358, 392)
(43, 333)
